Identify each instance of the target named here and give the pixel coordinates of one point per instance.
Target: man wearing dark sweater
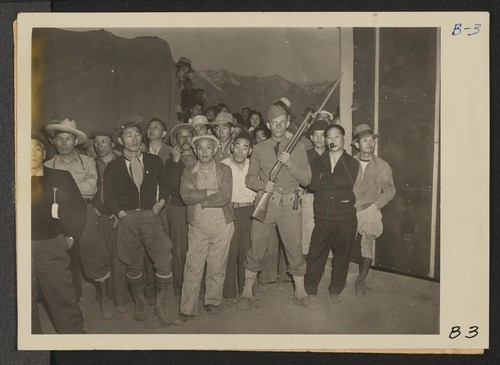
(130, 193)
(58, 217)
(333, 177)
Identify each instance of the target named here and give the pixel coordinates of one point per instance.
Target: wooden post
(346, 84)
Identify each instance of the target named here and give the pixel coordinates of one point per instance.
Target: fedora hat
(205, 136)
(360, 131)
(223, 118)
(68, 126)
(177, 129)
(199, 120)
(184, 61)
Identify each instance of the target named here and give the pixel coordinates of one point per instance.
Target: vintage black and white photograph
(244, 179)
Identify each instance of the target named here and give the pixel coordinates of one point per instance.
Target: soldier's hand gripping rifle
(260, 210)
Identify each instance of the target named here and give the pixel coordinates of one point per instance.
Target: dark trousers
(179, 235)
(118, 268)
(238, 248)
(50, 275)
(327, 235)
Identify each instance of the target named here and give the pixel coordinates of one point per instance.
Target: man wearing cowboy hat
(374, 188)
(280, 211)
(130, 183)
(223, 127)
(116, 287)
(92, 249)
(182, 157)
(206, 189)
(58, 216)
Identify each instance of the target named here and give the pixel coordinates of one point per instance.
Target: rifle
(260, 210)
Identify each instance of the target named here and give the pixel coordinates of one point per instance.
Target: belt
(241, 205)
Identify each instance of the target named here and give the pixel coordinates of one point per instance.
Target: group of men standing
(186, 209)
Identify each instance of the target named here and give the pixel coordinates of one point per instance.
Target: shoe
(107, 308)
(212, 309)
(161, 310)
(121, 308)
(183, 318)
(136, 287)
(335, 298)
(245, 304)
(310, 302)
(232, 301)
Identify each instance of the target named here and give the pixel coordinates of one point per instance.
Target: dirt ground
(394, 304)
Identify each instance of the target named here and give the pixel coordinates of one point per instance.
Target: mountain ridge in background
(237, 91)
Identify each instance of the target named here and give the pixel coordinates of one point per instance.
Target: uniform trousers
(208, 243)
(307, 221)
(289, 223)
(118, 268)
(330, 235)
(179, 235)
(139, 231)
(50, 275)
(238, 249)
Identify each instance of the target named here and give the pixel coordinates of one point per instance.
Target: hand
(157, 208)
(122, 214)
(97, 213)
(270, 186)
(176, 154)
(69, 242)
(284, 157)
(212, 191)
(115, 223)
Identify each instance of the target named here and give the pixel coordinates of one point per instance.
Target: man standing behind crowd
(130, 183)
(58, 216)
(223, 127)
(182, 157)
(280, 211)
(103, 146)
(374, 188)
(93, 255)
(157, 130)
(333, 177)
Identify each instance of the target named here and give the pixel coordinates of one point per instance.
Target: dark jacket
(72, 209)
(333, 192)
(120, 192)
(174, 173)
(192, 196)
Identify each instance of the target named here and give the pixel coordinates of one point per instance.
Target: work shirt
(241, 194)
(206, 179)
(374, 185)
(83, 170)
(263, 160)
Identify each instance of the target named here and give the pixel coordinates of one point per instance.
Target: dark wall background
(407, 70)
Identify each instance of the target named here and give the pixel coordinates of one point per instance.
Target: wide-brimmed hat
(199, 120)
(184, 61)
(318, 125)
(205, 136)
(360, 131)
(223, 118)
(177, 129)
(68, 126)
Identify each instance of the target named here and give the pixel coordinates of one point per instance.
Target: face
(237, 130)
(245, 112)
(182, 72)
(241, 149)
(224, 109)
(335, 136)
(201, 128)
(205, 150)
(184, 138)
(210, 115)
(260, 136)
(223, 132)
(196, 110)
(103, 145)
(279, 125)
(318, 139)
(254, 120)
(131, 139)
(366, 145)
(37, 154)
(156, 131)
(65, 143)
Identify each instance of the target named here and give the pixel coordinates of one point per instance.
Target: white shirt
(241, 194)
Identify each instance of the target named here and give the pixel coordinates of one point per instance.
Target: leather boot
(136, 287)
(105, 301)
(162, 285)
(364, 267)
